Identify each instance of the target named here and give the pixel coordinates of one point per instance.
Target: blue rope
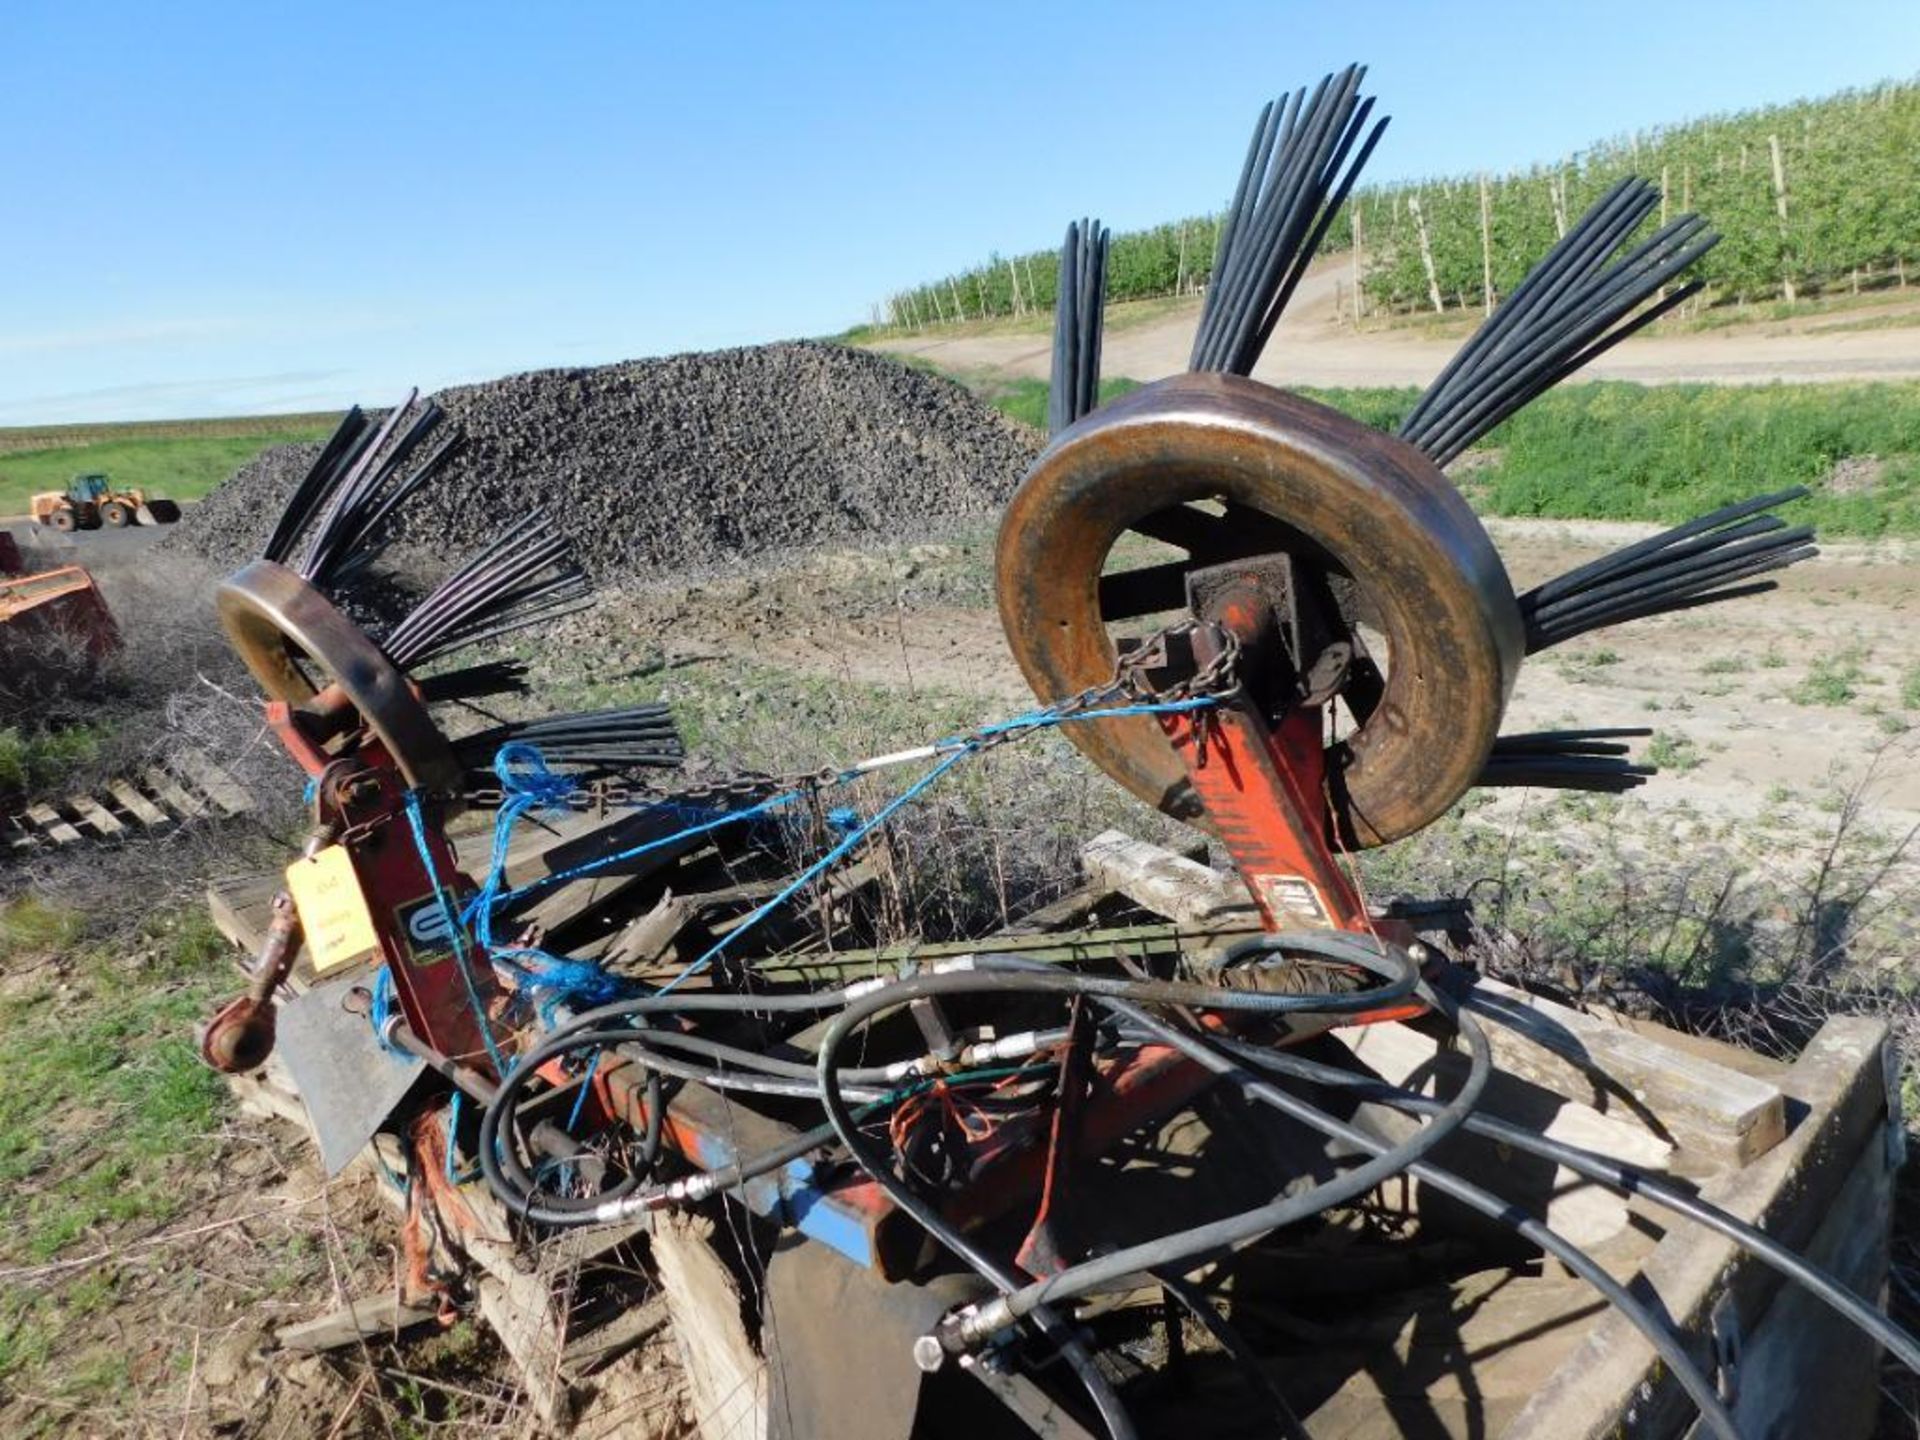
(586, 1084)
(852, 838)
(456, 934)
(528, 783)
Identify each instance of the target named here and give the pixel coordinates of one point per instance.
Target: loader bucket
(158, 512)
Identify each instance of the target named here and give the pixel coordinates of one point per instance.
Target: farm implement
(1236, 1150)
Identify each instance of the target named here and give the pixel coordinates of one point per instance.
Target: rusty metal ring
(1376, 506)
(271, 614)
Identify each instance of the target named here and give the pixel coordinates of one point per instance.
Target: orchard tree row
(1809, 196)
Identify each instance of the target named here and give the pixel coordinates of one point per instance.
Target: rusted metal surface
(1341, 497)
(241, 1036)
(275, 620)
(61, 607)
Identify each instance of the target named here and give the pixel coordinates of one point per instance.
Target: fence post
(1780, 204)
(1180, 267)
(1426, 253)
(1013, 277)
(1353, 225)
(1486, 244)
(954, 291)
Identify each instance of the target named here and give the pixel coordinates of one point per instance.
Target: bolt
(929, 1354)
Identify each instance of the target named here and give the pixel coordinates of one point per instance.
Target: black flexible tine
(475, 590)
(1243, 263)
(1606, 564)
(1640, 564)
(1099, 323)
(1570, 255)
(1284, 218)
(357, 521)
(1284, 257)
(516, 601)
(544, 615)
(1329, 209)
(1560, 635)
(1695, 577)
(1583, 326)
(1303, 189)
(1495, 386)
(1065, 324)
(1626, 330)
(1662, 572)
(320, 542)
(361, 556)
(1257, 144)
(1572, 260)
(1230, 279)
(313, 484)
(1587, 332)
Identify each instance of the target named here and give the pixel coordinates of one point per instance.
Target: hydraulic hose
(1616, 1175)
(1660, 1336)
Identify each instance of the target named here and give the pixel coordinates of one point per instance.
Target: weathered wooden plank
(97, 817)
(1183, 890)
(52, 825)
(1585, 1213)
(600, 1347)
(726, 1376)
(1718, 1116)
(518, 1305)
(1714, 1114)
(136, 804)
(1613, 1384)
(164, 787)
(364, 1319)
(216, 784)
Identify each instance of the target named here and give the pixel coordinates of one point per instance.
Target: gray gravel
(684, 463)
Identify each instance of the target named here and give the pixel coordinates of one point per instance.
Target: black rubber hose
(1616, 1175)
(1008, 975)
(1236, 1346)
(1665, 1342)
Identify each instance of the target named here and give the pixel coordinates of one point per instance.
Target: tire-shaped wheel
(286, 631)
(116, 514)
(65, 521)
(1225, 468)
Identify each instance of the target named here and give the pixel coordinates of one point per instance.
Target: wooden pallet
(191, 787)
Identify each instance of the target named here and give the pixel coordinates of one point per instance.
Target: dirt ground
(1314, 346)
(1742, 686)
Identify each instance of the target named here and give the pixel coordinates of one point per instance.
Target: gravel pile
(684, 463)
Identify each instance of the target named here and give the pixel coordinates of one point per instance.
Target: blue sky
(266, 207)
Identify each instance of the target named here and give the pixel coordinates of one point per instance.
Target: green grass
(1616, 451)
(1026, 399)
(1665, 453)
(181, 460)
(32, 759)
(106, 1033)
(1673, 753)
(1830, 680)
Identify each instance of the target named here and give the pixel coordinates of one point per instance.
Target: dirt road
(1312, 347)
(43, 549)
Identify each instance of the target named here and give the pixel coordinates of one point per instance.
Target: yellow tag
(333, 912)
